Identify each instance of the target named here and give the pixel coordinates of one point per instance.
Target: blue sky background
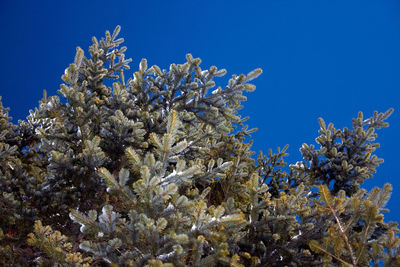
(320, 58)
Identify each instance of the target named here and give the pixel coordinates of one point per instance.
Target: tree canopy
(157, 170)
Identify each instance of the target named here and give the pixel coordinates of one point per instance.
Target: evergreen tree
(156, 171)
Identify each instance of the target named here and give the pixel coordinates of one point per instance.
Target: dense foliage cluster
(157, 171)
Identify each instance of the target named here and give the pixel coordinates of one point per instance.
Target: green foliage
(156, 171)
(55, 247)
(345, 156)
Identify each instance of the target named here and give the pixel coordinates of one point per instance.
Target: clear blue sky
(320, 58)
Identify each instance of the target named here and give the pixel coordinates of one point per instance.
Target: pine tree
(156, 170)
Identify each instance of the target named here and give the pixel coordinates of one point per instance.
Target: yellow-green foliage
(156, 171)
(56, 247)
